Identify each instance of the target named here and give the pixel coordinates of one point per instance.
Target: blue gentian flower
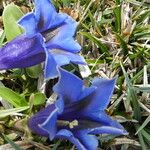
(48, 36)
(78, 113)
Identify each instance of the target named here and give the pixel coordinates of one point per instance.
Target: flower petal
(90, 142)
(39, 118)
(50, 124)
(47, 16)
(57, 20)
(59, 103)
(29, 23)
(90, 126)
(64, 39)
(64, 58)
(68, 135)
(69, 86)
(50, 70)
(100, 99)
(87, 91)
(99, 122)
(56, 58)
(108, 130)
(100, 117)
(22, 52)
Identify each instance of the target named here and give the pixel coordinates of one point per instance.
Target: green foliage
(34, 71)
(7, 112)
(103, 48)
(11, 15)
(12, 97)
(38, 98)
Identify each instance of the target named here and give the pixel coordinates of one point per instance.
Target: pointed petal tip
(28, 23)
(69, 86)
(62, 72)
(97, 81)
(102, 95)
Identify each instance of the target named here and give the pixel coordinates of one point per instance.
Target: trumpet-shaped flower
(78, 113)
(48, 36)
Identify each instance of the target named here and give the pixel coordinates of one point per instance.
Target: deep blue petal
(43, 19)
(64, 58)
(56, 58)
(44, 11)
(50, 66)
(100, 117)
(104, 91)
(87, 91)
(57, 20)
(50, 124)
(22, 52)
(90, 126)
(46, 15)
(90, 142)
(69, 86)
(39, 118)
(64, 38)
(67, 44)
(59, 103)
(29, 23)
(87, 119)
(108, 130)
(68, 135)
(100, 99)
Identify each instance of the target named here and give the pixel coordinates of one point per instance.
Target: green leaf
(56, 145)
(66, 2)
(38, 98)
(146, 135)
(7, 112)
(12, 97)
(103, 47)
(93, 61)
(123, 44)
(13, 144)
(34, 71)
(117, 14)
(144, 124)
(141, 139)
(132, 96)
(143, 144)
(11, 15)
(143, 89)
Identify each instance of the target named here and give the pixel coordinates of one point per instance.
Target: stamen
(73, 124)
